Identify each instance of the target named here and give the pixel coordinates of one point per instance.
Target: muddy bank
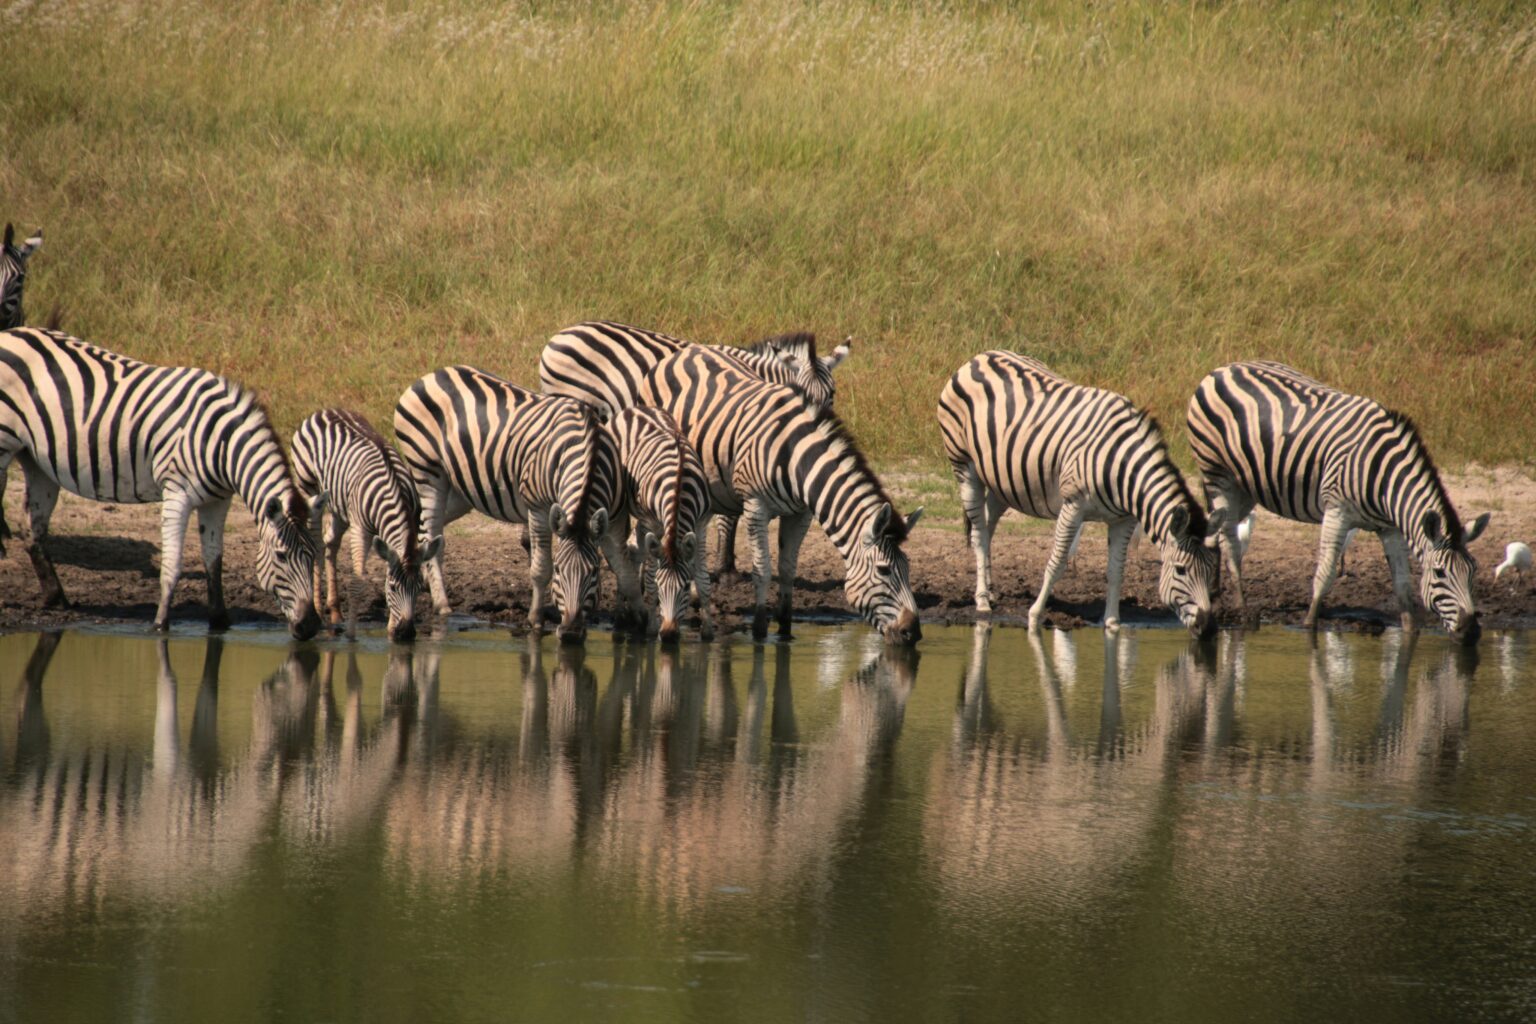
(107, 558)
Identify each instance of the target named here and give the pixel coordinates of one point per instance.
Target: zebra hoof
(161, 627)
(760, 627)
(1112, 626)
(1034, 622)
(218, 622)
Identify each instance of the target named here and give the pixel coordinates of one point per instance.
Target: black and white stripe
(110, 428)
(769, 453)
(473, 441)
(664, 490)
(354, 478)
(13, 276)
(1021, 436)
(1266, 434)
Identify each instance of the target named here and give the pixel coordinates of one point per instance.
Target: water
(1078, 829)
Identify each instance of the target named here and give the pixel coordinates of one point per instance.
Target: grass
(328, 200)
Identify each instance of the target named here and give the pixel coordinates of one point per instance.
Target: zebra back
(336, 452)
(13, 276)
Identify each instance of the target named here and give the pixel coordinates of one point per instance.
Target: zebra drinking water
(473, 441)
(771, 454)
(353, 477)
(1263, 433)
(1019, 435)
(110, 428)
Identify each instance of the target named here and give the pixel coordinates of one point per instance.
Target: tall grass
(327, 200)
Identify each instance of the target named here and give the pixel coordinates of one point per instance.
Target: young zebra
(1262, 433)
(110, 428)
(13, 276)
(769, 453)
(474, 441)
(1021, 436)
(662, 487)
(604, 362)
(344, 467)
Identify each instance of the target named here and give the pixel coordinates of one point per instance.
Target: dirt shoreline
(107, 558)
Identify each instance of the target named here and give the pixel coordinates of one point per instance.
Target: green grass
(327, 201)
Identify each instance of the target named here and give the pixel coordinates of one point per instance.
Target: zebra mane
(1198, 523)
(298, 508)
(1451, 522)
(589, 424)
(837, 435)
(800, 343)
(669, 541)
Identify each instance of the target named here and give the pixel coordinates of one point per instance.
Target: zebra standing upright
(769, 453)
(604, 362)
(475, 441)
(1021, 436)
(1262, 433)
(13, 276)
(107, 427)
(664, 489)
(347, 470)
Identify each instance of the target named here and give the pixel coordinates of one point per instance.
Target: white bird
(1517, 556)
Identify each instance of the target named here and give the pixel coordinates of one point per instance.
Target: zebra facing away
(1263, 433)
(769, 453)
(1020, 436)
(664, 490)
(354, 478)
(473, 441)
(110, 428)
(13, 276)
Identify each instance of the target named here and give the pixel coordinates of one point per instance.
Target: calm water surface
(1069, 829)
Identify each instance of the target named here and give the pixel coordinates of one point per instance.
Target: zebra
(1263, 433)
(13, 276)
(110, 428)
(605, 362)
(664, 489)
(344, 467)
(1019, 435)
(769, 453)
(472, 440)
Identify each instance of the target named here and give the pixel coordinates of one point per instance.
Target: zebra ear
(28, 247)
(879, 524)
(10, 234)
(557, 522)
(318, 504)
(384, 551)
(433, 549)
(913, 518)
(1215, 522)
(1178, 522)
(685, 546)
(840, 353)
(652, 545)
(273, 509)
(1476, 529)
(1430, 524)
(598, 524)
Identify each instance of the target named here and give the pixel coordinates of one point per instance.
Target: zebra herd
(637, 440)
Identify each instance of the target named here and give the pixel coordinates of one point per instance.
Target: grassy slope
(329, 200)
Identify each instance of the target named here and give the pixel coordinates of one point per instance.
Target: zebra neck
(257, 470)
(841, 493)
(1154, 497)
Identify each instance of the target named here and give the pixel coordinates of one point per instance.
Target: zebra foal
(473, 441)
(110, 428)
(13, 276)
(768, 454)
(353, 477)
(1019, 435)
(1263, 433)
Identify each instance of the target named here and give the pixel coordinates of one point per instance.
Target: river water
(1072, 828)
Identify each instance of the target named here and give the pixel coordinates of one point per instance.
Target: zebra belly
(134, 483)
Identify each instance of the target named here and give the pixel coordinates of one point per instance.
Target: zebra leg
(174, 515)
(541, 565)
(791, 535)
(1335, 529)
(42, 495)
(758, 517)
(357, 587)
(335, 528)
(700, 573)
(439, 507)
(1396, 549)
(630, 610)
(725, 541)
(1120, 532)
(1068, 522)
(210, 529)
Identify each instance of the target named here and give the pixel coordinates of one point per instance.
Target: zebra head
(576, 565)
(285, 562)
(402, 582)
(877, 576)
(674, 574)
(813, 374)
(13, 275)
(1445, 583)
(1191, 570)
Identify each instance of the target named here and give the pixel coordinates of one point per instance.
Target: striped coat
(354, 478)
(770, 454)
(1021, 436)
(110, 428)
(475, 442)
(1263, 433)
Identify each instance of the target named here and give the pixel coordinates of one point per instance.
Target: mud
(107, 558)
